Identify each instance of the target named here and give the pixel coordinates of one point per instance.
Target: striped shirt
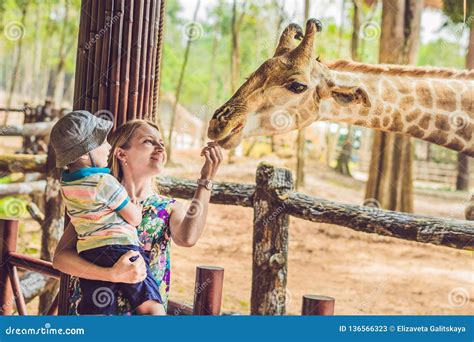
(93, 198)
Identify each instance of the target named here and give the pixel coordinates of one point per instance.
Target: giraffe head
(284, 93)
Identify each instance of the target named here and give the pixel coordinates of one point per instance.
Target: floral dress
(154, 233)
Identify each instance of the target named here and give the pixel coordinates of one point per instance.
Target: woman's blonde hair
(121, 138)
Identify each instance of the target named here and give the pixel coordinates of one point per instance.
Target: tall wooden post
(8, 237)
(270, 241)
(117, 67)
(118, 58)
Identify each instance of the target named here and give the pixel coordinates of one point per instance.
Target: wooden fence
(274, 200)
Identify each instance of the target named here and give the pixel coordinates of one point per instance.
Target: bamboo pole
(80, 60)
(91, 54)
(104, 64)
(144, 64)
(135, 62)
(99, 40)
(125, 62)
(160, 43)
(115, 58)
(151, 70)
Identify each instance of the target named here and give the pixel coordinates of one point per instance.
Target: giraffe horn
(304, 51)
(286, 43)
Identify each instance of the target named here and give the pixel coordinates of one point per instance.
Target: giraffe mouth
(233, 138)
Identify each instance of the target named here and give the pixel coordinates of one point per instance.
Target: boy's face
(101, 154)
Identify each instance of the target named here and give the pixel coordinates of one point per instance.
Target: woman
(136, 157)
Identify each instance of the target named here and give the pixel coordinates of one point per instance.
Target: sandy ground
(365, 273)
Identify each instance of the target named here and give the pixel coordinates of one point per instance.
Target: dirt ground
(365, 273)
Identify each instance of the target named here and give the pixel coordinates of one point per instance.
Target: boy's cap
(76, 134)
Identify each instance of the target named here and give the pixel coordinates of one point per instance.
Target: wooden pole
(125, 63)
(53, 309)
(63, 295)
(208, 290)
(15, 281)
(270, 241)
(135, 59)
(317, 305)
(115, 58)
(145, 60)
(160, 42)
(8, 238)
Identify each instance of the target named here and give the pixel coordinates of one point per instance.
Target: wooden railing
(207, 294)
(274, 200)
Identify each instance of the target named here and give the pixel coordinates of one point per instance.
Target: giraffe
(293, 89)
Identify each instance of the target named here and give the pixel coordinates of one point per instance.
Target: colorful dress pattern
(154, 232)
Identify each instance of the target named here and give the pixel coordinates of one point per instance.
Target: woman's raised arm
(67, 260)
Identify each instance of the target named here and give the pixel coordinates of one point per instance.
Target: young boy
(102, 214)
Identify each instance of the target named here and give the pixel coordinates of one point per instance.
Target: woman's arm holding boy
(67, 260)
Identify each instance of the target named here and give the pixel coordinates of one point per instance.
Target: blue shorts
(99, 297)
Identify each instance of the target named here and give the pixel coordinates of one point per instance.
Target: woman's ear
(120, 154)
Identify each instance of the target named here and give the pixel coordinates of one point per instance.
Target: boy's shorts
(99, 297)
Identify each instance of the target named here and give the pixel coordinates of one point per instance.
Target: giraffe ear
(346, 96)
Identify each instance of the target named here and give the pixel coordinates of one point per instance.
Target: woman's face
(146, 155)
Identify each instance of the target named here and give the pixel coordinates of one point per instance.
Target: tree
(344, 158)
(457, 15)
(23, 7)
(190, 37)
(390, 177)
(57, 72)
(300, 140)
(236, 26)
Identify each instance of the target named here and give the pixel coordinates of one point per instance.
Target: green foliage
(259, 34)
(454, 9)
(13, 207)
(442, 54)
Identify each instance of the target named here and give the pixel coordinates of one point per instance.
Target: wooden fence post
(270, 241)
(8, 237)
(317, 305)
(208, 290)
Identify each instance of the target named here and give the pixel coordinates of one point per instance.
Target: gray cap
(76, 134)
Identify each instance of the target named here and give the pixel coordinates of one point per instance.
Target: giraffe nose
(222, 114)
(218, 122)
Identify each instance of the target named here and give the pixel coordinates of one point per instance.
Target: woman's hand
(130, 272)
(213, 154)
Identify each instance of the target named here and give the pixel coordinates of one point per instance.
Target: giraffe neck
(438, 110)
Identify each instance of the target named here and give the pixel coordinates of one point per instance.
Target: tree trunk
(16, 66)
(462, 179)
(53, 224)
(57, 74)
(346, 152)
(344, 158)
(300, 140)
(235, 57)
(179, 86)
(36, 56)
(390, 182)
(210, 100)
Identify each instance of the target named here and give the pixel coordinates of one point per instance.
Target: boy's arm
(115, 196)
(132, 213)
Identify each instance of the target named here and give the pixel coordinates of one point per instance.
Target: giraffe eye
(297, 87)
